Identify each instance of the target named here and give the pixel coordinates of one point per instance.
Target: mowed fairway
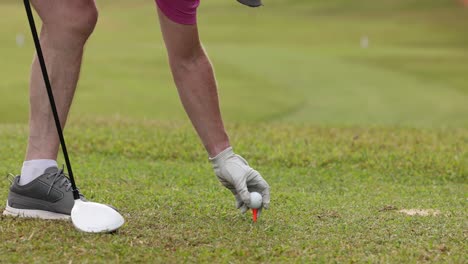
(346, 136)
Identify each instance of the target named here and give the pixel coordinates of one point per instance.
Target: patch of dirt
(388, 208)
(328, 214)
(420, 212)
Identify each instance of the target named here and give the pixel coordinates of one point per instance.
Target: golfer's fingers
(266, 196)
(243, 192)
(239, 201)
(260, 185)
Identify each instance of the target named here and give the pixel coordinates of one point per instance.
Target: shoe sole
(29, 213)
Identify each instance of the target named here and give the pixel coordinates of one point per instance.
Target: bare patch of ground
(420, 212)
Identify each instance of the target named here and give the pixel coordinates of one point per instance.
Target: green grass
(345, 136)
(335, 196)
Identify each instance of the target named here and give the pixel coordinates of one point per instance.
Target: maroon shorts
(180, 11)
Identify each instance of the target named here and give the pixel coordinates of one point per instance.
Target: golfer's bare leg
(66, 27)
(195, 81)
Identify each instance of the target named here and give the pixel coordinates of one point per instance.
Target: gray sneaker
(47, 197)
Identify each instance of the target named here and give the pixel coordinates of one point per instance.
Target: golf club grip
(40, 56)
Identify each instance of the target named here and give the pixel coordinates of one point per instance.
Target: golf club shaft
(40, 56)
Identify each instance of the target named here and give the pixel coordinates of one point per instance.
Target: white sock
(35, 168)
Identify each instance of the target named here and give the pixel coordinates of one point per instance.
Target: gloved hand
(251, 3)
(235, 174)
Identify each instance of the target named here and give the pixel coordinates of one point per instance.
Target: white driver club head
(95, 218)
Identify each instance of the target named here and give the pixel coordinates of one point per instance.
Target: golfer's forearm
(196, 84)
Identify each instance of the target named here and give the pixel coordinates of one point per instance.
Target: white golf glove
(235, 174)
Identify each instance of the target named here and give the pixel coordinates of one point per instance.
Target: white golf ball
(255, 200)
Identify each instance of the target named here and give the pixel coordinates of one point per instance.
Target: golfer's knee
(76, 19)
(83, 25)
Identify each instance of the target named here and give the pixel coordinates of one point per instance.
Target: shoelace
(10, 177)
(61, 179)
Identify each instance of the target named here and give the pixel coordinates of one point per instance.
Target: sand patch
(420, 212)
